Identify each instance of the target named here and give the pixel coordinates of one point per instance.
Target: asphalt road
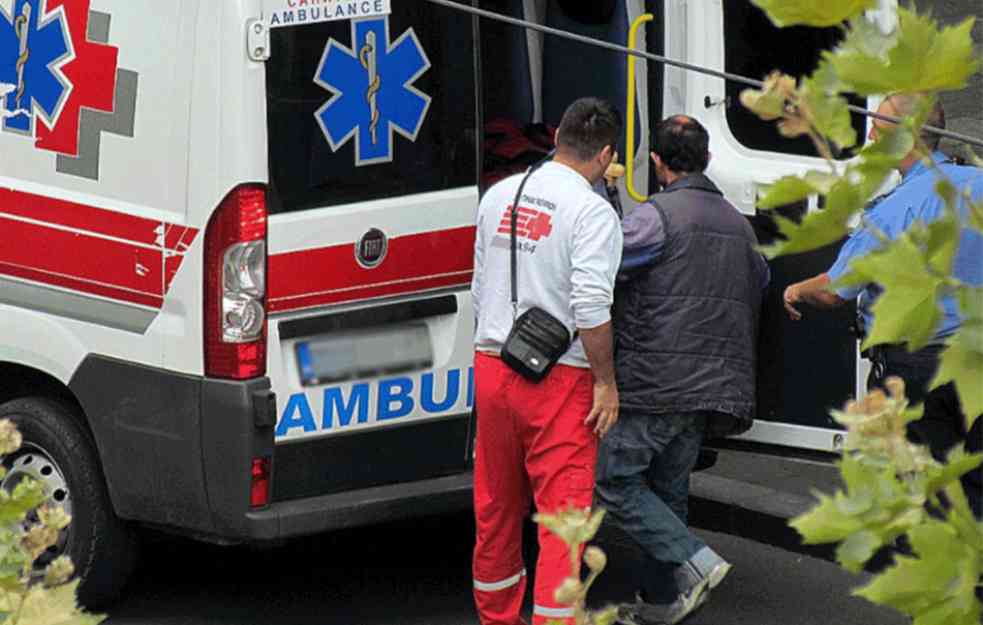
(418, 573)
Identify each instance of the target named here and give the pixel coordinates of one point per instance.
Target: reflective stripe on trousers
(508, 582)
(539, 610)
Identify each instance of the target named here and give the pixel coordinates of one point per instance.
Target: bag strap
(513, 255)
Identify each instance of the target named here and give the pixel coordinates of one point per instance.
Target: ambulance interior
(529, 78)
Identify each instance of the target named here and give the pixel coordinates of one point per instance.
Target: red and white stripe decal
(90, 250)
(331, 275)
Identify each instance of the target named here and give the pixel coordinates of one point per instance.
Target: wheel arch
(18, 381)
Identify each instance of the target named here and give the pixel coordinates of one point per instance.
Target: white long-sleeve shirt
(569, 250)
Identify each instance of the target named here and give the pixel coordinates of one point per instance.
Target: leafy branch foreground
(895, 488)
(30, 594)
(896, 494)
(576, 527)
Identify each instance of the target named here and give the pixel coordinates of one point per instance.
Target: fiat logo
(371, 248)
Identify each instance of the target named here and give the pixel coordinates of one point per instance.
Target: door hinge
(257, 40)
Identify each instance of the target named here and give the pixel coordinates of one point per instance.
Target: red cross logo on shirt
(529, 224)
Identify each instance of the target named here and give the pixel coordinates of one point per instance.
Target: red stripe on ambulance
(90, 250)
(79, 216)
(331, 275)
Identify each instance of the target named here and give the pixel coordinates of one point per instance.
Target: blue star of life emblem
(372, 90)
(34, 45)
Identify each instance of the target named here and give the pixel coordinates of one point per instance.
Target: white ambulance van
(236, 242)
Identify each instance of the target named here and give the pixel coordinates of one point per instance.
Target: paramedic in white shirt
(538, 441)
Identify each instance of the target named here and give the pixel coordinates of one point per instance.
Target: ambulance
(236, 243)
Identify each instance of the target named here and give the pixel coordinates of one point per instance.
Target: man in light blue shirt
(913, 201)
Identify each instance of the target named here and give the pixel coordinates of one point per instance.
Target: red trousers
(532, 444)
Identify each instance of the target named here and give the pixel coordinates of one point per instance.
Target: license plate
(364, 354)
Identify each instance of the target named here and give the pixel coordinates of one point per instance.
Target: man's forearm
(599, 345)
(815, 292)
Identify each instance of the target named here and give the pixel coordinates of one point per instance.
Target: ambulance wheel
(60, 453)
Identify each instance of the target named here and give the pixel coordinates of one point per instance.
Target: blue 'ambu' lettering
(334, 402)
(394, 399)
(297, 414)
(427, 400)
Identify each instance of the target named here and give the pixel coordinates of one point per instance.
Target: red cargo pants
(532, 444)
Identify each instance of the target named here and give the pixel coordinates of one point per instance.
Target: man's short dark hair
(683, 144)
(588, 125)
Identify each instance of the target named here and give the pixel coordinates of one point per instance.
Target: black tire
(102, 547)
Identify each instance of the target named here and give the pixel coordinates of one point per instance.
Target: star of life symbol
(372, 90)
(34, 47)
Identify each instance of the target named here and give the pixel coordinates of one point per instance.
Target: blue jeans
(643, 470)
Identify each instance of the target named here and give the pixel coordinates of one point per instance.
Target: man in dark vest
(686, 317)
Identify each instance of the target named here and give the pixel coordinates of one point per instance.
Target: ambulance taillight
(235, 286)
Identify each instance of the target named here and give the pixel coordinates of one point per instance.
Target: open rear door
(373, 186)
(808, 367)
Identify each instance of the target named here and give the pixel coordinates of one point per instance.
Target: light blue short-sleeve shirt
(915, 200)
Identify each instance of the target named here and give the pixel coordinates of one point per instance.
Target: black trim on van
(368, 458)
(368, 317)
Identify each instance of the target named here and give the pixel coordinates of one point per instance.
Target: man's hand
(604, 413)
(791, 298)
(599, 346)
(814, 292)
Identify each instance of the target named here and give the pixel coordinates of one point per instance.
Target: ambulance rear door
(807, 367)
(372, 193)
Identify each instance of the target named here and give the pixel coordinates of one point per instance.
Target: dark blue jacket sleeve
(645, 238)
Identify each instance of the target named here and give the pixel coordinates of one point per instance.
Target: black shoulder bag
(537, 339)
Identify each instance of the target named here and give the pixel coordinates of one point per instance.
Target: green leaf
(940, 241)
(882, 156)
(836, 518)
(27, 495)
(593, 524)
(786, 190)
(921, 57)
(962, 361)
(961, 516)
(953, 197)
(845, 196)
(829, 112)
(55, 606)
(976, 215)
(607, 616)
(854, 552)
(935, 587)
(819, 228)
(908, 309)
(958, 463)
(825, 523)
(812, 12)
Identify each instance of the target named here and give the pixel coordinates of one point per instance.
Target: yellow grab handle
(630, 124)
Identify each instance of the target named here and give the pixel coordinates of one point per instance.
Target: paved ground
(418, 573)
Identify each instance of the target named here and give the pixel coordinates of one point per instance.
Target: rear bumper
(176, 449)
(361, 507)
(176, 452)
